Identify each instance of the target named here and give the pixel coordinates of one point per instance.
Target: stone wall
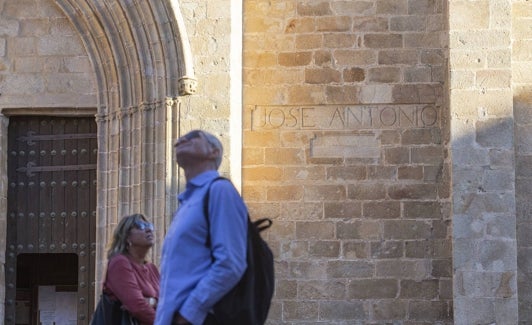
(345, 147)
(368, 126)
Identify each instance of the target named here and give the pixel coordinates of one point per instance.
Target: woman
(130, 278)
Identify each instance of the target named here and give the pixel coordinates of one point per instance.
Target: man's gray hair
(215, 142)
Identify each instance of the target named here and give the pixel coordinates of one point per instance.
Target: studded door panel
(52, 199)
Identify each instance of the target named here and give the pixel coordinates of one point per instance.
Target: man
(201, 261)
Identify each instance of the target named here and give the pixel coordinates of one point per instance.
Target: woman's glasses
(143, 225)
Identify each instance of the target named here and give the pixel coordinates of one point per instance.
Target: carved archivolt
(142, 61)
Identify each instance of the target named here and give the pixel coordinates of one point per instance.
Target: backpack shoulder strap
(206, 209)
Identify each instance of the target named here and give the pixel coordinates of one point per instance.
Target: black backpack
(249, 301)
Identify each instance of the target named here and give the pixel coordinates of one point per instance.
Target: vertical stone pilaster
(522, 100)
(4, 121)
(482, 135)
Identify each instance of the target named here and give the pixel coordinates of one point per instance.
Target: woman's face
(141, 234)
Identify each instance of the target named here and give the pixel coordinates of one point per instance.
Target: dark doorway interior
(45, 276)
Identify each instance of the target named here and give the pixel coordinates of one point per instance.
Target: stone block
(469, 15)
(423, 210)
(314, 9)
(425, 7)
(387, 249)
(342, 94)
(306, 94)
(473, 40)
(322, 76)
(382, 210)
(284, 193)
(495, 133)
(304, 173)
(386, 309)
(349, 269)
(383, 40)
(353, 75)
(342, 210)
(410, 172)
(299, 25)
(431, 155)
(412, 191)
(325, 193)
(321, 290)
(333, 24)
(404, 269)
(310, 270)
(315, 230)
(323, 58)
(262, 173)
(419, 74)
(358, 230)
(494, 78)
(384, 74)
(355, 57)
(370, 24)
(521, 72)
(353, 8)
(443, 268)
(279, 156)
(294, 59)
(342, 310)
(406, 229)
(408, 23)
(309, 41)
(409, 94)
(346, 173)
(425, 289)
(354, 250)
(382, 172)
(363, 191)
(324, 249)
(339, 40)
(285, 289)
(300, 310)
(295, 249)
(397, 156)
(431, 311)
(392, 7)
(376, 94)
(373, 289)
(436, 39)
(524, 166)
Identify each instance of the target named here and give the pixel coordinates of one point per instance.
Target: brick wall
(345, 132)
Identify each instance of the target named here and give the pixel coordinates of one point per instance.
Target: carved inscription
(348, 117)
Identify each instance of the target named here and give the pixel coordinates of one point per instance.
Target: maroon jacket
(132, 284)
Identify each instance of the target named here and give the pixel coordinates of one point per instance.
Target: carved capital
(187, 86)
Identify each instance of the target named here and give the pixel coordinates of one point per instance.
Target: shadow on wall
(523, 188)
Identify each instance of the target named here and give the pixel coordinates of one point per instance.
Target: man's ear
(215, 152)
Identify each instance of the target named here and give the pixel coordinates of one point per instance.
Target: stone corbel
(187, 86)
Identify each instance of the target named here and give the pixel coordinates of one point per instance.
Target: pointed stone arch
(142, 60)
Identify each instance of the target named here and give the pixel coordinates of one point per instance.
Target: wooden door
(51, 207)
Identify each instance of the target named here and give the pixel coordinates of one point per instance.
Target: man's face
(193, 147)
